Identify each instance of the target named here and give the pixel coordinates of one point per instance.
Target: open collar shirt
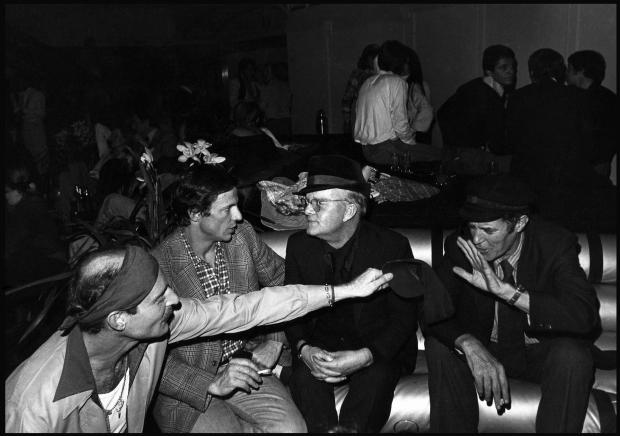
(214, 281)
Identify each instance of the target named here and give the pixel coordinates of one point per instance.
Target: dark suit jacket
(600, 107)
(562, 301)
(547, 129)
(386, 322)
(473, 117)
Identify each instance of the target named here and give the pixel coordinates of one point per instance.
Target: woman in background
(365, 69)
(419, 109)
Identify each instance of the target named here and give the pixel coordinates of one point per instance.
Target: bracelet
(333, 294)
(520, 290)
(330, 300)
(301, 348)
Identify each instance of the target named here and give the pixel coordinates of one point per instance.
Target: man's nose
(476, 237)
(309, 210)
(171, 297)
(236, 214)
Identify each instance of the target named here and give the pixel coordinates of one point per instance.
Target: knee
(568, 355)
(436, 352)
(293, 423)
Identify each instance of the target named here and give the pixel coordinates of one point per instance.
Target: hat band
(321, 179)
(472, 199)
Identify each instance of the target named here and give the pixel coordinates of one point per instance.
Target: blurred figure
(32, 247)
(586, 70)
(244, 87)
(155, 132)
(474, 116)
(365, 69)
(275, 100)
(419, 109)
(30, 108)
(545, 131)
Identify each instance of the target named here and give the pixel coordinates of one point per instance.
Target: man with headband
(99, 374)
(524, 309)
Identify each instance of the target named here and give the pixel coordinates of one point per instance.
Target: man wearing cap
(368, 343)
(100, 374)
(524, 309)
(212, 251)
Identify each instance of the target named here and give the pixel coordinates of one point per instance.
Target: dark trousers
(563, 367)
(365, 409)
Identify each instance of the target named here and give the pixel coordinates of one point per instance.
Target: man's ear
(194, 216)
(350, 212)
(521, 223)
(116, 320)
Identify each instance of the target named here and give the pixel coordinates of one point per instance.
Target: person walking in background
(365, 69)
(419, 108)
(244, 87)
(30, 108)
(275, 101)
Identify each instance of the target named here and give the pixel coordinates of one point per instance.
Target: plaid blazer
(191, 366)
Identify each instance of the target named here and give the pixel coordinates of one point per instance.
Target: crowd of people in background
(556, 134)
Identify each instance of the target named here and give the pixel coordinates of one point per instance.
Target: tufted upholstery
(411, 407)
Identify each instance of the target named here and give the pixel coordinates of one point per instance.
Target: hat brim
(356, 187)
(407, 282)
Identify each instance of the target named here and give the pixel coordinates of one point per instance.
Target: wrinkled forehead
(498, 224)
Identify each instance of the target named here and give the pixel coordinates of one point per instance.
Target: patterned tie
(511, 323)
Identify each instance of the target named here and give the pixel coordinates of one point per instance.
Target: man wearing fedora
(524, 309)
(368, 343)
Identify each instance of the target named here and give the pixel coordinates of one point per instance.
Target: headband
(132, 284)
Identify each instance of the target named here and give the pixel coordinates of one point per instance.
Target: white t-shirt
(116, 401)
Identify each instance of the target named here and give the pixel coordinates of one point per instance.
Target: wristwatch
(520, 290)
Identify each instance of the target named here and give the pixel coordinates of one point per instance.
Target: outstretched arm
(232, 313)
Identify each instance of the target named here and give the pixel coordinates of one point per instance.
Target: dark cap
(335, 171)
(492, 197)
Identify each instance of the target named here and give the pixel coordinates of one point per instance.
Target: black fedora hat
(335, 171)
(493, 197)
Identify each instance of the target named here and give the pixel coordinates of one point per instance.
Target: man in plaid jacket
(210, 252)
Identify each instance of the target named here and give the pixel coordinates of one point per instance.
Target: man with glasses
(368, 343)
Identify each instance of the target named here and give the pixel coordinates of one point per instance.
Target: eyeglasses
(317, 203)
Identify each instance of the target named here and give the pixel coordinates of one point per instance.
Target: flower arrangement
(197, 152)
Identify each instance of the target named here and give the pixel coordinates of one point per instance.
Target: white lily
(147, 156)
